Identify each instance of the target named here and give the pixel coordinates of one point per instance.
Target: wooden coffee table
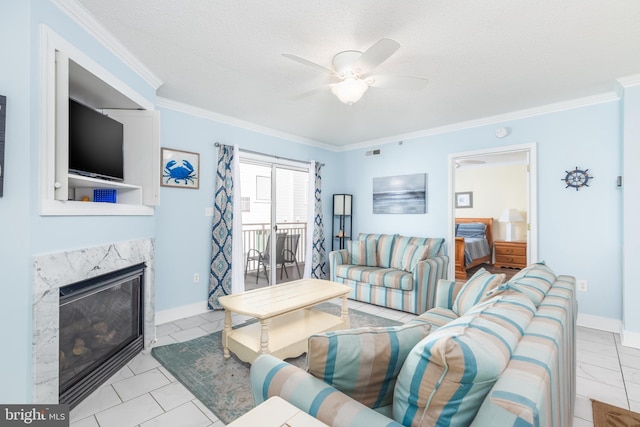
(286, 319)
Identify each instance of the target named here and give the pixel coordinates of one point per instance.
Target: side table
(276, 412)
(511, 254)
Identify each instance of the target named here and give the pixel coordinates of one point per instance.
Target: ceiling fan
(353, 69)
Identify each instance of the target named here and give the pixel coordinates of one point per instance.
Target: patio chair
(288, 255)
(263, 257)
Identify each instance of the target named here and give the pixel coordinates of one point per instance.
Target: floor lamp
(510, 216)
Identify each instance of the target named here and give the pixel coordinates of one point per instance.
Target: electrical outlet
(208, 211)
(583, 285)
(196, 278)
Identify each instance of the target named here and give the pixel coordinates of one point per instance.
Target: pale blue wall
(579, 232)
(24, 232)
(53, 234)
(183, 232)
(15, 310)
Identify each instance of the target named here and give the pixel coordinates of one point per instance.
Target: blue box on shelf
(107, 195)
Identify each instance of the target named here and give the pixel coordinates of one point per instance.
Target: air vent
(372, 152)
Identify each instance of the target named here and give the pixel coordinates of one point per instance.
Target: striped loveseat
(507, 360)
(390, 270)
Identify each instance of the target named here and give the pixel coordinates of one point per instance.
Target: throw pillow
(362, 252)
(446, 377)
(475, 290)
(364, 363)
(413, 254)
(384, 245)
(534, 281)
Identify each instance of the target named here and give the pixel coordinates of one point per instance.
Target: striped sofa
(508, 360)
(390, 270)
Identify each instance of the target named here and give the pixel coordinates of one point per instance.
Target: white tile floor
(144, 394)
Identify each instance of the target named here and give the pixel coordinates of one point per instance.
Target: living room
(585, 233)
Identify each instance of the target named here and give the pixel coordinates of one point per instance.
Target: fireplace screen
(101, 329)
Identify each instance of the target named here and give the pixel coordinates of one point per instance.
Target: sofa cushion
(436, 316)
(412, 255)
(475, 290)
(384, 246)
(364, 363)
(535, 280)
(376, 276)
(448, 374)
(362, 252)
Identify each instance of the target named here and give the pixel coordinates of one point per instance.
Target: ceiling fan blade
(471, 162)
(309, 63)
(376, 55)
(396, 82)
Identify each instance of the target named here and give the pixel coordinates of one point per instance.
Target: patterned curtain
(221, 241)
(319, 254)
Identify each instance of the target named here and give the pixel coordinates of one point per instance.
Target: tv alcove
(74, 75)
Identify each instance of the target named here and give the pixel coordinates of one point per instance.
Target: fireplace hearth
(101, 329)
(52, 271)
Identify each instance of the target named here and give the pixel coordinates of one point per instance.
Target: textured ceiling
(482, 58)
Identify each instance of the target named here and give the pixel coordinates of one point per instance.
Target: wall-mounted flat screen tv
(95, 143)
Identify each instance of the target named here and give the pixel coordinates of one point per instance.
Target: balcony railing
(255, 236)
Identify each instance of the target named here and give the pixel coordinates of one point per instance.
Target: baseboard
(600, 323)
(630, 339)
(181, 312)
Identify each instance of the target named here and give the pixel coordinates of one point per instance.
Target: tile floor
(144, 394)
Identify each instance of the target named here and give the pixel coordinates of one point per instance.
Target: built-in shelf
(72, 74)
(83, 186)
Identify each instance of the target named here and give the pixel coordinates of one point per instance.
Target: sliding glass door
(274, 217)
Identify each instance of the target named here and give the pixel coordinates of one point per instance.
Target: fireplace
(101, 329)
(53, 271)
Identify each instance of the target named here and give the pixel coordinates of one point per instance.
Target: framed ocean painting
(402, 194)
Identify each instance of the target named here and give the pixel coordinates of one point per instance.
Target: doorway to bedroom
(492, 210)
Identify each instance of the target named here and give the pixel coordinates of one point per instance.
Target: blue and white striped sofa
(509, 360)
(393, 271)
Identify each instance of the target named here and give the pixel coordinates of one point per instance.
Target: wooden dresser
(510, 254)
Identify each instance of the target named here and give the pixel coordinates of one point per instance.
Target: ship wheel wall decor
(577, 178)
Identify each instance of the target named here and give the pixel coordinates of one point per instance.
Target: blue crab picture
(184, 173)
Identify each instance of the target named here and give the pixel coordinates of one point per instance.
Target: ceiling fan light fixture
(350, 90)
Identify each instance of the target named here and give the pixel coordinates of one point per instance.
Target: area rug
(605, 415)
(223, 385)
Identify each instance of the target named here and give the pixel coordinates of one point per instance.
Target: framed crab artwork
(180, 169)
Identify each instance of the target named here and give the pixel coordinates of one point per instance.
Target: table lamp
(510, 216)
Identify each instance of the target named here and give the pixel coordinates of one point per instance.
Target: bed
(474, 244)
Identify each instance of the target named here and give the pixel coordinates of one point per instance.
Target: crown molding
(232, 121)
(627, 81)
(491, 120)
(82, 17)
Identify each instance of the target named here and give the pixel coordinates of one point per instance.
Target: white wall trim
(630, 339)
(181, 312)
(514, 115)
(627, 81)
(600, 323)
(232, 121)
(82, 17)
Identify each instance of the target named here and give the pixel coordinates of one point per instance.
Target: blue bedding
(475, 248)
(475, 244)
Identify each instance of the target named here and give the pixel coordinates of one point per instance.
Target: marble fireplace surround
(53, 271)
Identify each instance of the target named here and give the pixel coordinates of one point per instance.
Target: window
(263, 188)
(246, 204)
